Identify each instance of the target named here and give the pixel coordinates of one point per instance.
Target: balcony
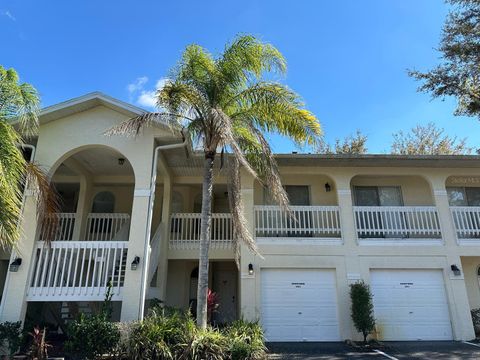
(397, 225)
(185, 231)
(305, 224)
(467, 224)
(73, 267)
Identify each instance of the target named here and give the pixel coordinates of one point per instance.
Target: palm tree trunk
(206, 219)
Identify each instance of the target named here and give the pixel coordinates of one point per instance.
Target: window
(103, 202)
(463, 196)
(378, 196)
(298, 194)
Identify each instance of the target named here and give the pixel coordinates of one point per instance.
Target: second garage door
(299, 305)
(410, 305)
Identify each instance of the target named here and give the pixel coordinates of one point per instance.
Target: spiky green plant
(227, 105)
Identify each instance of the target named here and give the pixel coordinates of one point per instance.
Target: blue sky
(347, 59)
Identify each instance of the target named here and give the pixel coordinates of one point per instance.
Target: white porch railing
(99, 227)
(58, 227)
(107, 227)
(185, 231)
(397, 222)
(467, 222)
(77, 270)
(304, 221)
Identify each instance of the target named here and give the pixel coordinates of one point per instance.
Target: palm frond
(48, 205)
(241, 233)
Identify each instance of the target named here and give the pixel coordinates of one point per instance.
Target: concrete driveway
(451, 350)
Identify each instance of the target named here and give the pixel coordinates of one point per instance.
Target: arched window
(103, 202)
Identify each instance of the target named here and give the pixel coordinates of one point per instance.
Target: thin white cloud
(148, 98)
(8, 14)
(137, 85)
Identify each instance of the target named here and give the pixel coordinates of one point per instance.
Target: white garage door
(299, 305)
(410, 305)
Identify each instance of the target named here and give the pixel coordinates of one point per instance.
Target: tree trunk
(206, 220)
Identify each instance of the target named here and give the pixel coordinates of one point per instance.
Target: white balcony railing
(99, 227)
(397, 222)
(77, 270)
(58, 227)
(107, 227)
(467, 222)
(303, 221)
(185, 231)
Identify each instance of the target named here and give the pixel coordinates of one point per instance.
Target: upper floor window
(103, 202)
(463, 196)
(378, 196)
(298, 194)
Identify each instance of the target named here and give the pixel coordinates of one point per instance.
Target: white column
(162, 270)
(14, 305)
(247, 288)
(83, 208)
(132, 306)
(352, 264)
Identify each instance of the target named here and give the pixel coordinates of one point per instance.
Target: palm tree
(18, 119)
(226, 105)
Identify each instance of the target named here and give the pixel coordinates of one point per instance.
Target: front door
(225, 285)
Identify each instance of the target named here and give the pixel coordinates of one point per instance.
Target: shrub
(208, 344)
(246, 340)
(92, 336)
(11, 336)
(476, 320)
(164, 334)
(171, 334)
(362, 308)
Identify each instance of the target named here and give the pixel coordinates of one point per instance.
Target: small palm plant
(18, 119)
(226, 105)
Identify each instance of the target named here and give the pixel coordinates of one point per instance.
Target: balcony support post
(13, 306)
(440, 197)
(249, 309)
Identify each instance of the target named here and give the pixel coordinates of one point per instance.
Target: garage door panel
(299, 305)
(410, 305)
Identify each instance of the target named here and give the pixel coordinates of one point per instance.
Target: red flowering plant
(212, 304)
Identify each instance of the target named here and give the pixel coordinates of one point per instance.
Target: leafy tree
(428, 140)
(352, 144)
(459, 73)
(362, 308)
(226, 104)
(18, 119)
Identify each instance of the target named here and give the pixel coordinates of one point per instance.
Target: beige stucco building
(408, 226)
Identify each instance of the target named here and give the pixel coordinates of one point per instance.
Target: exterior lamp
(328, 187)
(250, 269)
(455, 269)
(15, 264)
(135, 262)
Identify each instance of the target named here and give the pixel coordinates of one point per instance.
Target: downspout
(151, 200)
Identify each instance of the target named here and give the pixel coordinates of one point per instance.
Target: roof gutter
(158, 149)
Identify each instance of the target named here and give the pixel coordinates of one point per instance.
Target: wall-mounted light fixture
(328, 187)
(121, 161)
(250, 269)
(15, 264)
(135, 263)
(455, 269)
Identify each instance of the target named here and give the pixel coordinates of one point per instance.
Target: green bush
(164, 334)
(11, 336)
(207, 344)
(169, 334)
(90, 337)
(246, 341)
(362, 308)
